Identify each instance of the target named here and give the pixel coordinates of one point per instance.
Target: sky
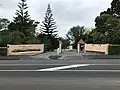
(67, 13)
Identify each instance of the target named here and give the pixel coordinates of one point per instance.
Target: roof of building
(81, 41)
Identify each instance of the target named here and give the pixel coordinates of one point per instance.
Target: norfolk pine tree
(48, 28)
(23, 22)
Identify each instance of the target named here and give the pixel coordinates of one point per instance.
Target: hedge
(114, 50)
(54, 57)
(3, 51)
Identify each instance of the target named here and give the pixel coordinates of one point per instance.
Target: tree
(4, 37)
(108, 25)
(41, 37)
(115, 7)
(4, 33)
(75, 34)
(31, 40)
(47, 44)
(89, 36)
(49, 27)
(16, 37)
(65, 42)
(23, 22)
(4, 24)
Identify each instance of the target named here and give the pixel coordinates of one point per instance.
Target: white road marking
(64, 67)
(61, 71)
(51, 64)
(29, 64)
(107, 64)
(88, 70)
(17, 70)
(59, 68)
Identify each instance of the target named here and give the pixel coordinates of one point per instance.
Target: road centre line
(88, 71)
(52, 64)
(106, 64)
(29, 64)
(48, 69)
(113, 71)
(61, 68)
(64, 67)
(17, 70)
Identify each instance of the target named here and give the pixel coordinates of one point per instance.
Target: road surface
(71, 73)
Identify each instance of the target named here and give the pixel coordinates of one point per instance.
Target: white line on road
(107, 64)
(88, 70)
(60, 68)
(17, 70)
(29, 64)
(64, 67)
(61, 71)
(53, 64)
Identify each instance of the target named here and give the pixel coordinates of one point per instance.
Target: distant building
(80, 45)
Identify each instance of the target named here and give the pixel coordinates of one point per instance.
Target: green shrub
(114, 49)
(31, 40)
(3, 51)
(18, 50)
(3, 45)
(54, 57)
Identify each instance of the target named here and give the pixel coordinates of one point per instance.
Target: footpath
(67, 55)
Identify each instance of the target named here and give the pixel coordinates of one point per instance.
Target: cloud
(66, 12)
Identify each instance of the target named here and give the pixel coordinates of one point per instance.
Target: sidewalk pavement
(44, 55)
(67, 55)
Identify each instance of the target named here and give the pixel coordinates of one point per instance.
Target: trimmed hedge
(3, 51)
(114, 49)
(18, 50)
(54, 57)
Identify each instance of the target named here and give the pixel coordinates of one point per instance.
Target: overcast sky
(67, 13)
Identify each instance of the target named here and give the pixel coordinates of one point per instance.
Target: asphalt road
(59, 83)
(59, 80)
(81, 74)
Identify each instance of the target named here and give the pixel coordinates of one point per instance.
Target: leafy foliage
(22, 22)
(3, 51)
(49, 32)
(16, 37)
(115, 8)
(55, 57)
(21, 30)
(4, 24)
(47, 44)
(31, 40)
(75, 34)
(114, 49)
(65, 42)
(108, 25)
(4, 37)
(49, 25)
